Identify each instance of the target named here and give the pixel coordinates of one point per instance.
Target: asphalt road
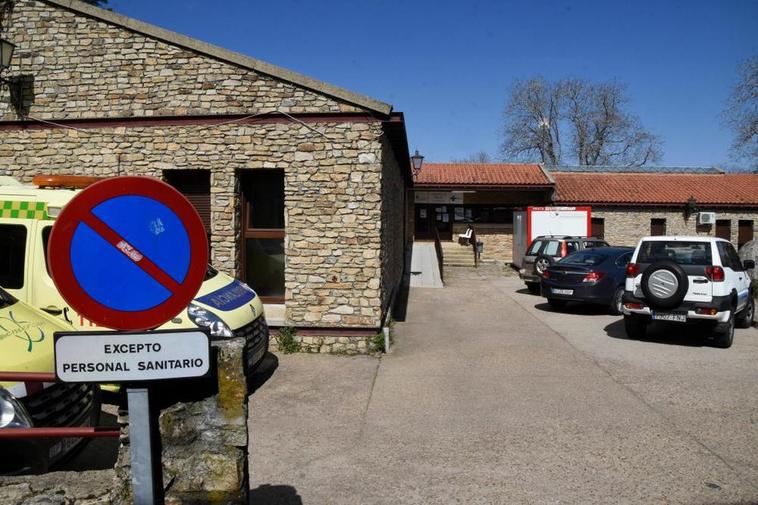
(489, 397)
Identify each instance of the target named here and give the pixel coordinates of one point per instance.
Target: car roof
(568, 237)
(682, 238)
(608, 251)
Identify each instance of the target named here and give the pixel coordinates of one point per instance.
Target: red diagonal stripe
(145, 263)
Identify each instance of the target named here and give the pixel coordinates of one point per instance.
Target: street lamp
(690, 207)
(6, 53)
(416, 161)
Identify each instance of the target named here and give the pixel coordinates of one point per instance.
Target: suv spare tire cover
(664, 284)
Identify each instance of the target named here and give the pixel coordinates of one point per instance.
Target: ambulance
(224, 306)
(26, 345)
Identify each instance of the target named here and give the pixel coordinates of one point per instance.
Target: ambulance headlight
(204, 318)
(12, 413)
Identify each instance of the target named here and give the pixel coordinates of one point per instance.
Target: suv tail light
(593, 276)
(632, 270)
(715, 273)
(564, 250)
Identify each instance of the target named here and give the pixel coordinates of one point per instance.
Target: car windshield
(210, 273)
(6, 299)
(681, 252)
(587, 259)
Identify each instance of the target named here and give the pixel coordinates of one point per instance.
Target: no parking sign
(128, 253)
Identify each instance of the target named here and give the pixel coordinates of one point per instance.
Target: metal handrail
(472, 241)
(438, 250)
(43, 432)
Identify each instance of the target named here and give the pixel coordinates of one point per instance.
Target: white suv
(687, 280)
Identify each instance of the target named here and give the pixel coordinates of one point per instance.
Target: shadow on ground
(664, 333)
(263, 373)
(579, 309)
(274, 495)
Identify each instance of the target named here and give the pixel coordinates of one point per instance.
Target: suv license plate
(562, 291)
(677, 318)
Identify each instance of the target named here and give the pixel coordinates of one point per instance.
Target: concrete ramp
(425, 272)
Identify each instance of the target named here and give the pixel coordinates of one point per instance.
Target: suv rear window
(535, 247)
(551, 249)
(595, 243)
(683, 253)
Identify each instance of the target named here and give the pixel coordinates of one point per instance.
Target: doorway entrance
(430, 216)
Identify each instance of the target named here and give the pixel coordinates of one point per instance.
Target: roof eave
(226, 55)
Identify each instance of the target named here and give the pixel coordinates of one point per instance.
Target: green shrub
(377, 342)
(287, 341)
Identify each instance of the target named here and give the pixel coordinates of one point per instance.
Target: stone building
(627, 202)
(301, 184)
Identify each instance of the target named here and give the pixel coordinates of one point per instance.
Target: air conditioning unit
(706, 218)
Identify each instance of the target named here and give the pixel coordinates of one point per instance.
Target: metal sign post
(129, 253)
(147, 470)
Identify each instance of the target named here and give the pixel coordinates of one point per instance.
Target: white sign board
(131, 357)
(452, 197)
(569, 221)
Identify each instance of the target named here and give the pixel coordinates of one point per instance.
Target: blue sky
(448, 65)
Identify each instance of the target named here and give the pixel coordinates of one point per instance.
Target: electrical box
(706, 218)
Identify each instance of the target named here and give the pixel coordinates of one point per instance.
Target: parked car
(594, 276)
(546, 250)
(26, 345)
(697, 280)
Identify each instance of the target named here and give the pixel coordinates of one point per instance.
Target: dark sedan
(593, 276)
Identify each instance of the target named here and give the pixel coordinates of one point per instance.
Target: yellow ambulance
(26, 345)
(224, 306)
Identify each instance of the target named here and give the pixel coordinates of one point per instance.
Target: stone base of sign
(204, 453)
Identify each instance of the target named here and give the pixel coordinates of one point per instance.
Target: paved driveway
(488, 397)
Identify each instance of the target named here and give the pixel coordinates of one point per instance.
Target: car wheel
(556, 304)
(533, 287)
(664, 284)
(542, 263)
(745, 318)
(635, 326)
(617, 304)
(724, 334)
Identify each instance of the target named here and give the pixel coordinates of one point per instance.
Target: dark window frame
(18, 279)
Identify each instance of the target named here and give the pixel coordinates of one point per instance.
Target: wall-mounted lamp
(690, 207)
(416, 161)
(6, 53)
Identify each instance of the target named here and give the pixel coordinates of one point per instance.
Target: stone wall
(626, 226)
(84, 67)
(204, 453)
(496, 238)
(333, 178)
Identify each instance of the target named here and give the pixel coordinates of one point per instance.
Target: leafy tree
(741, 113)
(573, 120)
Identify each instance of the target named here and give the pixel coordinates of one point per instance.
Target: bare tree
(477, 157)
(589, 118)
(532, 116)
(741, 113)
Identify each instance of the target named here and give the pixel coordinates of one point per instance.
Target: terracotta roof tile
(656, 189)
(482, 174)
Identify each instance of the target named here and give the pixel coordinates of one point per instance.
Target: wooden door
(744, 231)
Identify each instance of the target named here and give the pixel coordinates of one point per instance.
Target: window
(45, 239)
(683, 253)
(624, 259)
(12, 255)
(535, 247)
(598, 227)
(745, 229)
(583, 258)
(571, 246)
(263, 233)
(551, 249)
(195, 185)
(729, 257)
(724, 229)
(657, 227)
